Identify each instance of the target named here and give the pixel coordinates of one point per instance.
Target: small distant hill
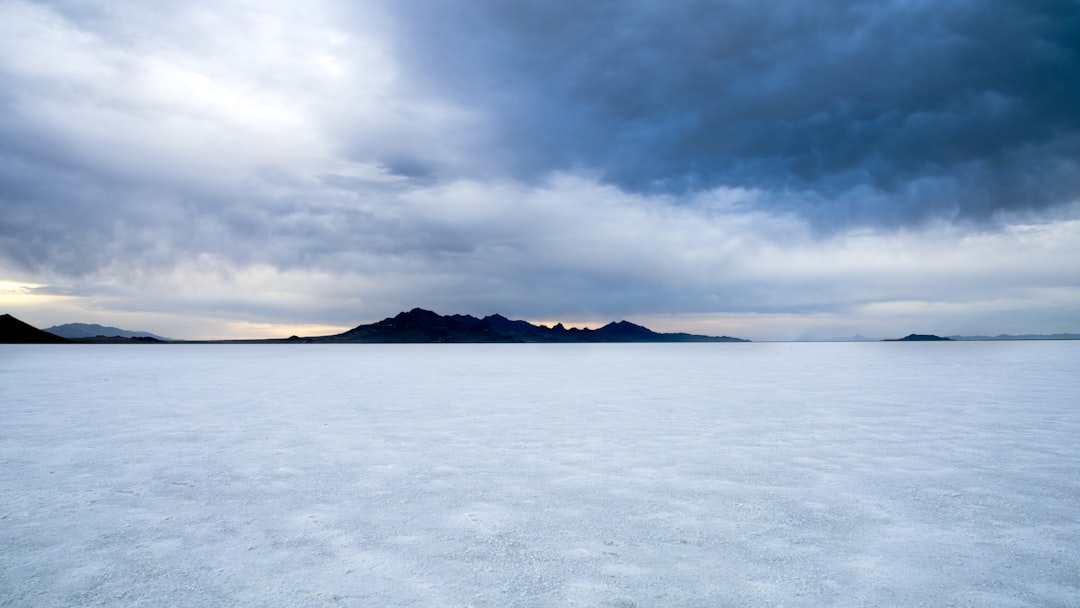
(80, 331)
(424, 326)
(14, 331)
(920, 338)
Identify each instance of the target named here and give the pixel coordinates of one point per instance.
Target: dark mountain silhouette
(14, 331)
(121, 340)
(77, 331)
(920, 338)
(422, 326)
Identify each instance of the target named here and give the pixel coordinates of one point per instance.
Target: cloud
(576, 250)
(340, 163)
(917, 110)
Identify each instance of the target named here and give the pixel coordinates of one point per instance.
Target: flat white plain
(848, 474)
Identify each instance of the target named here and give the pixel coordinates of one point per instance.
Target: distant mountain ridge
(78, 331)
(421, 326)
(424, 326)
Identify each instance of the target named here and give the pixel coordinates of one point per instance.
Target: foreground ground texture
(859, 474)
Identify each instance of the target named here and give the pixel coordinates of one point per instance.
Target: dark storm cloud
(877, 112)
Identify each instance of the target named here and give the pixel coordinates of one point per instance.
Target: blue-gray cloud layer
(871, 112)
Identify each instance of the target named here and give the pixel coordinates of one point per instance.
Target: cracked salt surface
(860, 474)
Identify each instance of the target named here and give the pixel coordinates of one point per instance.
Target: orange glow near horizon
(245, 330)
(20, 294)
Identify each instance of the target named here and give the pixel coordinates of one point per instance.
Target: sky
(772, 171)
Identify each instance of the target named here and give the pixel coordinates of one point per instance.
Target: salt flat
(854, 474)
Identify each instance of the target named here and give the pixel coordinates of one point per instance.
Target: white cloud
(191, 91)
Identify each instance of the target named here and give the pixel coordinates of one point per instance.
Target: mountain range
(416, 326)
(78, 331)
(424, 326)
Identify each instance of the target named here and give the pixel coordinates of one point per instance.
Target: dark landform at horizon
(919, 338)
(14, 331)
(88, 331)
(423, 326)
(417, 326)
